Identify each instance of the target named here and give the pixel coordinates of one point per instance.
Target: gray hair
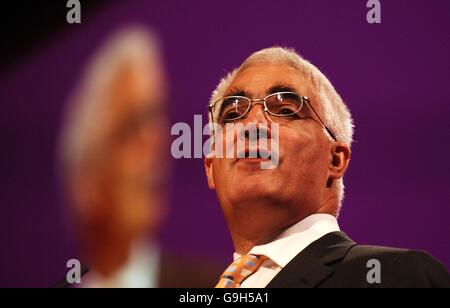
(87, 108)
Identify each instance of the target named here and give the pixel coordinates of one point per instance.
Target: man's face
(134, 154)
(297, 184)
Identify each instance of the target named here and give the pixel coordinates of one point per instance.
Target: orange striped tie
(240, 270)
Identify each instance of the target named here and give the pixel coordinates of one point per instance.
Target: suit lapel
(309, 267)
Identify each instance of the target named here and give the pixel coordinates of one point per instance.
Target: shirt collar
(140, 270)
(295, 239)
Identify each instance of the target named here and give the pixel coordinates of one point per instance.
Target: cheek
(295, 143)
(304, 149)
(220, 170)
(225, 143)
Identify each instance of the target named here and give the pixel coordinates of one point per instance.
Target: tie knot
(239, 270)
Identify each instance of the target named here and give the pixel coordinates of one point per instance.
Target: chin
(254, 190)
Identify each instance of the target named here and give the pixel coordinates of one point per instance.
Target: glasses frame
(256, 101)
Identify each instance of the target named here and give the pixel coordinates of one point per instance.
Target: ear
(209, 170)
(340, 158)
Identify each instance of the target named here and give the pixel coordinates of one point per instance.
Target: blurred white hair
(337, 116)
(87, 107)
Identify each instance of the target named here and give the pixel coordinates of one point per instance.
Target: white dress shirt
(288, 245)
(140, 271)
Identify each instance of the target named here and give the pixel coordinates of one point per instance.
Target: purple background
(393, 76)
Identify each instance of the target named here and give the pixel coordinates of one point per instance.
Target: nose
(257, 131)
(257, 113)
(256, 121)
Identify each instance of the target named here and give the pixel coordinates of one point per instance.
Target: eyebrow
(281, 87)
(236, 91)
(277, 87)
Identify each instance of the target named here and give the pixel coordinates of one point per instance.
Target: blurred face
(132, 178)
(296, 187)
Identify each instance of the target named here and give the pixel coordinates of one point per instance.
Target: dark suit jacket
(336, 261)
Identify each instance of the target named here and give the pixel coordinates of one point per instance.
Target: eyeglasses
(280, 104)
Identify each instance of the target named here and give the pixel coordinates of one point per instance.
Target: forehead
(259, 79)
(133, 84)
(134, 96)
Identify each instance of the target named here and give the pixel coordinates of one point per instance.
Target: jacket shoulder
(397, 267)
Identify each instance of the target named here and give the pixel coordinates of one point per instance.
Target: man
(283, 220)
(114, 152)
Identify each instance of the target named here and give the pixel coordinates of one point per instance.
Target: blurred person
(114, 155)
(283, 221)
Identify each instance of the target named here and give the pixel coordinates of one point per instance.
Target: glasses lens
(284, 103)
(232, 108)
